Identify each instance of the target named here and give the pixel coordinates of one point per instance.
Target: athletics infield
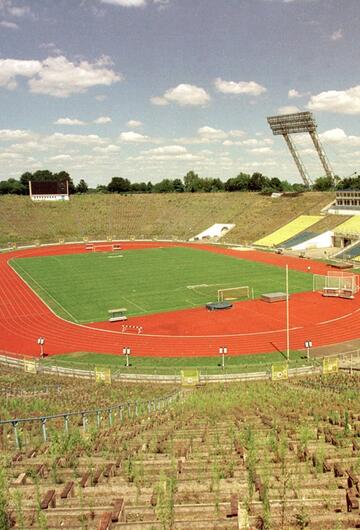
(251, 326)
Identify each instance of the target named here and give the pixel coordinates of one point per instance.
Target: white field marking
(86, 326)
(203, 285)
(111, 331)
(43, 289)
(118, 256)
(192, 303)
(198, 336)
(338, 318)
(133, 303)
(147, 334)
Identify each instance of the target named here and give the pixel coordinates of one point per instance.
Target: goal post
(233, 293)
(319, 282)
(336, 282)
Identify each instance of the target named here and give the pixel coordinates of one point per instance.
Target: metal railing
(22, 427)
(117, 376)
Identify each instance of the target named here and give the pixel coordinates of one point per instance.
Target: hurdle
(116, 246)
(126, 328)
(90, 247)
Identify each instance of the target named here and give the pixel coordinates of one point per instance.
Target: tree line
(190, 183)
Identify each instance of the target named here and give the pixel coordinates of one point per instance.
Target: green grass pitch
(83, 287)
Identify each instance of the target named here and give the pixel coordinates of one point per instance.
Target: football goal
(233, 293)
(336, 283)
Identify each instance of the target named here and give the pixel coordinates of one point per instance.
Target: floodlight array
(292, 123)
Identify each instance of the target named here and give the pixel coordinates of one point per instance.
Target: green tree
(276, 184)
(191, 182)
(323, 184)
(239, 183)
(178, 186)
(12, 186)
(119, 185)
(100, 188)
(44, 175)
(82, 187)
(164, 186)
(139, 187)
(257, 182)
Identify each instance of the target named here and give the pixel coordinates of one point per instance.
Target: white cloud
(8, 25)
(60, 158)
(237, 133)
(28, 146)
(15, 134)
(169, 150)
(209, 133)
(111, 148)
(74, 121)
(338, 136)
(337, 35)
(339, 101)
(162, 4)
(134, 123)
(60, 78)
(241, 87)
(51, 48)
(160, 101)
(169, 153)
(261, 150)
(85, 139)
(125, 3)
(7, 7)
(232, 142)
(11, 68)
(293, 93)
(18, 11)
(251, 142)
(288, 109)
(69, 121)
(102, 120)
(183, 95)
(56, 76)
(10, 156)
(133, 137)
(333, 136)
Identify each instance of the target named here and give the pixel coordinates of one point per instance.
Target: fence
(116, 376)
(27, 430)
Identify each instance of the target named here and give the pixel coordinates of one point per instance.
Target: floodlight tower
(300, 122)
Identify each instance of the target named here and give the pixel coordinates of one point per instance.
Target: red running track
(249, 327)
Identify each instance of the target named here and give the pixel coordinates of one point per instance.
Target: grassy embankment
(153, 216)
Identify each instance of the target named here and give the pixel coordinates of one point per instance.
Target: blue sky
(150, 89)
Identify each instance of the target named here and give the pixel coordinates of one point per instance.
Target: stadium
(127, 319)
(179, 265)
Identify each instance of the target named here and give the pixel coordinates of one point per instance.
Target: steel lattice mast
(300, 122)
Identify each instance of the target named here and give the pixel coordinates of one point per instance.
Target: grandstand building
(347, 202)
(49, 191)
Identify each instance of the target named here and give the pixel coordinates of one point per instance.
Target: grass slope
(84, 287)
(173, 365)
(156, 215)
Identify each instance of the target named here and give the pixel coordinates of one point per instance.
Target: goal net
(337, 281)
(233, 293)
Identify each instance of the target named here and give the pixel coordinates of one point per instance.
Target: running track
(249, 327)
